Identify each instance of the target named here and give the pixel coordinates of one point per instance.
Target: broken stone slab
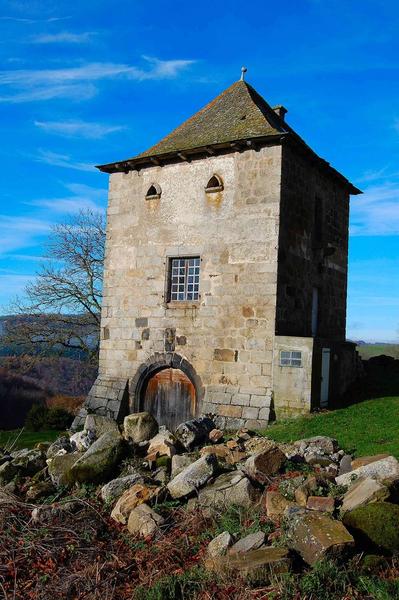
(345, 465)
(276, 504)
(375, 525)
(99, 425)
(385, 470)
(363, 461)
(264, 464)
(252, 541)
(7, 473)
(193, 477)
(258, 444)
(319, 443)
(220, 544)
(28, 461)
(255, 566)
(39, 489)
(314, 458)
(231, 456)
(316, 536)
(111, 491)
(229, 489)
(195, 432)
(362, 492)
(60, 468)
(140, 427)
(215, 435)
(305, 490)
(131, 498)
(144, 521)
(321, 503)
(163, 443)
(180, 462)
(82, 440)
(99, 461)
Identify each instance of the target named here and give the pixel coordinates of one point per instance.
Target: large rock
(131, 498)
(195, 432)
(82, 440)
(163, 444)
(99, 425)
(264, 464)
(220, 544)
(140, 427)
(276, 504)
(257, 565)
(363, 461)
(144, 521)
(99, 461)
(362, 492)
(39, 489)
(111, 491)
(231, 456)
(228, 489)
(316, 536)
(375, 525)
(385, 470)
(180, 462)
(193, 477)
(28, 462)
(320, 444)
(60, 468)
(252, 541)
(7, 473)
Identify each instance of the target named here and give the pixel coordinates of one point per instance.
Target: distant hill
(367, 351)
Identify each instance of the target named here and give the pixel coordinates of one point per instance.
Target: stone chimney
(280, 110)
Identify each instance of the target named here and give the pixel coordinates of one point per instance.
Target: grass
(27, 439)
(369, 427)
(367, 351)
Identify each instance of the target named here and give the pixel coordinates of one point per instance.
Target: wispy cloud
(61, 160)
(82, 197)
(64, 37)
(85, 129)
(30, 21)
(23, 85)
(20, 232)
(376, 212)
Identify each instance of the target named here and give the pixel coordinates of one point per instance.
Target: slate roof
(238, 115)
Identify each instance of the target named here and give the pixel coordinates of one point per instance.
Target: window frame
(292, 361)
(195, 292)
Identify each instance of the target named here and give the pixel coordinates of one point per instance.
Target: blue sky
(96, 81)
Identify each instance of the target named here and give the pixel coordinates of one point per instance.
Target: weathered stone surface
(28, 462)
(317, 443)
(134, 496)
(363, 461)
(321, 503)
(111, 491)
(193, 477)
(61, 445)
(305, 490)
(229, 488)
(315, 458)
(60, 468)
(180, 462)
(82, 440)
(276, 504)
(383, 470)
(315, 536)
(47, 513)
(98, 462)
(144, 521)
(194, 432)
(258, 444)
(220, 544)
(375, 525)
(163, 444)
(215, 436)
(262, 465)
(257, 565)
(252, 541)
(362, 492)
(230, 455)
(99, 425)
(345, 465)
(7, 472)
(139, 427)
(38, 490)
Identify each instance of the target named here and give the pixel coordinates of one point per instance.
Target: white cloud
(20, 232)
(81, 129)
(62, 160)
(82, 197)
(64, 37)
(30, 21)
(24, 85)
(376, 212)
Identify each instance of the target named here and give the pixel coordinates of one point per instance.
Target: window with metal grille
(290, 358)
(184, 278)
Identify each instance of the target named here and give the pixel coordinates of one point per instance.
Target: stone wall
(307, 261)
(228, 335)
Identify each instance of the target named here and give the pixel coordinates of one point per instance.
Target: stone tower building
(226, 272)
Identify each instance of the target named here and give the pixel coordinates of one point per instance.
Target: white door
(325, 377)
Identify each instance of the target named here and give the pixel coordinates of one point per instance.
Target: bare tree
(61, 308)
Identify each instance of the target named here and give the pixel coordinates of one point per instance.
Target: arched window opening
(215, 184)
(154, 191)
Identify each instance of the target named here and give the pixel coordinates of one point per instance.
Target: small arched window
(154, 191)
(215, 184)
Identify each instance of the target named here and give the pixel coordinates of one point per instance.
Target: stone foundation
(108, 397)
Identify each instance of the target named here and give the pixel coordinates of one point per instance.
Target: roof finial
(243, 71)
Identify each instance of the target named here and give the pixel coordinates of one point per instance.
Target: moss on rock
(375, 525)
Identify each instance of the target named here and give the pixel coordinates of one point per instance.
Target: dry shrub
(69, 403)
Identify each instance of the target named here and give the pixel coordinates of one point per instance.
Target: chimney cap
(280, 110)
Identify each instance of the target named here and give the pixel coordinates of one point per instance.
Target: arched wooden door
(170, 397)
